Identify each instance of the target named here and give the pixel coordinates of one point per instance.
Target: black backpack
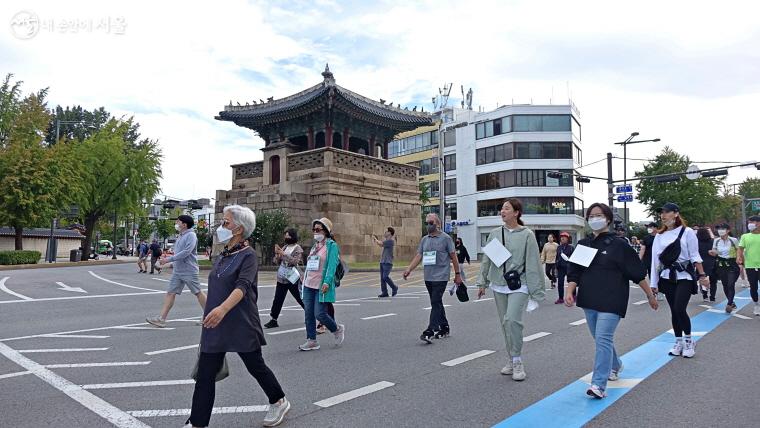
(670, 254)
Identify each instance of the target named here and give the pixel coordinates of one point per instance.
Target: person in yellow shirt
(549, 260)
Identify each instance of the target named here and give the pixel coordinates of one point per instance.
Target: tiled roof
(39, 232)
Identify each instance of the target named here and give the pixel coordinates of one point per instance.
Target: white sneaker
(340, 335)
(156, 321)
(615, 374)
(310, 345)
(676, 350)
(756, 311)
(688, 349)
(660, 297)
(518, 371)
(596, 392)
(507, 370)
(276, 413)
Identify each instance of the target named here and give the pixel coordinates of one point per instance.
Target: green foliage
(19, 257)
(10, 94)
(750, 189)
(38, 182)
(270, 227)
(144, 228)
(698, 198)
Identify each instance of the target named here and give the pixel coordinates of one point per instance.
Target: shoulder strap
(504, 243)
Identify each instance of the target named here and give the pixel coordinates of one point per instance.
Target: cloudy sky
(685, 72)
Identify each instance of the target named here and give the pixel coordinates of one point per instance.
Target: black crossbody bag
(512, 277)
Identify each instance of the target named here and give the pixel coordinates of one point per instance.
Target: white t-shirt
(689, 252)
(723, 246)
(503, 289)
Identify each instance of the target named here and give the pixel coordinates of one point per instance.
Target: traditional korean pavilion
(325, 155)
(327, 115)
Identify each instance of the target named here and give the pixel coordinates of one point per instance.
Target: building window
(450, 187)
(578, 155)
(450, 138)
(576, 128)
(450, 162)
(451, 211)
(533, 205)
(427, 166)
(489, 129)
(522, 178)
(431, 209)
(413, 144)
(274, 170)
(544, 150)
(541, 123)
(480, 131)
(498, 153)
(484, 239)
(506, 124)
(495, 180)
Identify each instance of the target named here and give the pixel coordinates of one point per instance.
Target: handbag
(670, 254)
(462, 293)
(223, 373)
(512, 277)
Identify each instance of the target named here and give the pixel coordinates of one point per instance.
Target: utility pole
(610, 193)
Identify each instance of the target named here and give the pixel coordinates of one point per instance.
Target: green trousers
(511, 308)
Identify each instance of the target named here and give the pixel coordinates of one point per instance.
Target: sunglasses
(431, 223)
(317, 229)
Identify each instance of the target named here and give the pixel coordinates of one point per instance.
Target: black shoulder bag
(512, 277)
(670, 254)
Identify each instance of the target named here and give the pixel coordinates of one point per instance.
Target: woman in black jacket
(603, 292)
(705, 240)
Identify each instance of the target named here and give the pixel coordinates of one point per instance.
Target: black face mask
(290, 241)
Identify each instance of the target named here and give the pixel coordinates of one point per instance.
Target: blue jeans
(385, 278)
(602, 326)
(314, 310)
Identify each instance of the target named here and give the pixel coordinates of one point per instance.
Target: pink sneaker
(559, 302)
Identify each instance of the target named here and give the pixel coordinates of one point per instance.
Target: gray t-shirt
(387, 256)
(438, 247)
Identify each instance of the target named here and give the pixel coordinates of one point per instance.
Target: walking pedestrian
(636, 244)
(319, 285)
(622, 233)
(645, 254)
(677, 270)
(288, 276)
(749, 256)
(549, 259)
(184, 272)
(603, 293)
(566, 248)
(705, 241)
(724, 250)
(142, 255)
(155, 256)
(231, 321)
(513, 282)
(386, 262)
(437, 253)
(462, 256)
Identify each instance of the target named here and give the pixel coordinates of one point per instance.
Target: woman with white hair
(231, 321)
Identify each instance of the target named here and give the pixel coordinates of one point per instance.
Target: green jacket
(523, 246)
(328, 273)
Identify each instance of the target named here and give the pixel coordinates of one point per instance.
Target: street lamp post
(625, 144)
(113, 244)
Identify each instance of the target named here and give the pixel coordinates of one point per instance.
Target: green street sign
(756, 205)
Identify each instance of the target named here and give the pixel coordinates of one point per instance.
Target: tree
(698, 199)
(144, 228)
(116, 174)
(10, 99)
(38, 182)
(270, 227)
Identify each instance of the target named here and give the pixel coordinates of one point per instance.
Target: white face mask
(650, 230)
(319, 237)
(596, 224)
(670, 222)
(176, 227)
(722, 232)
(751, 226)
(223, 234)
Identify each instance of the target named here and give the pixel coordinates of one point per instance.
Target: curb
(63, 264)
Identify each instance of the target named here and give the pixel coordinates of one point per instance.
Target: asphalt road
(403, 380)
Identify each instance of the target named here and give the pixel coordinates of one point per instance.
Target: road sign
(625, 198)
(692, 172)
(628, 188)
(755, 205)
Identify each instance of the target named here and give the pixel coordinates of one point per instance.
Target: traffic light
(581, 179)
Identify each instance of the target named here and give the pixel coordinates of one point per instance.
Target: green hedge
(19, 257)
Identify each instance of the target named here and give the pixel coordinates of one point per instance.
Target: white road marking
(640, 302)
(741, 298)
(166, 280)
(83, 365)
(75, 336)
(12, 293)
(165, 351)
(405, 297)
(15, 374)
(40, 351)
(275, 333)
(717, 311)
(86, 330)
(535, 336)
(464, 359)
(350, 395)
(693, 333)
(579, 322)
(65, 287)
(342, 304)
(102, 408)
(186, 412)
(93, 296)
(430, 307)
(705, 306)
(137, 327)
(484, 299)
(138, 384)
(622, 383)
(378, 316)
(119, 283)
(741, 317)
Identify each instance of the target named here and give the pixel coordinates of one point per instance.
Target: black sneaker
(427, 336)
(394, 292)
(442, 332)
(271, 324)
(382, 295)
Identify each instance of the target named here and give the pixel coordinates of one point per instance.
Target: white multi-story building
(509, 152)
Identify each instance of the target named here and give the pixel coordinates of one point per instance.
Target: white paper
(565, 258)
(294, 275)
(496, 252)
(583, 255)
(532, 305)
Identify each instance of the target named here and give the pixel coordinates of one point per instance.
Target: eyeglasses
(431, 223)
(317, 229)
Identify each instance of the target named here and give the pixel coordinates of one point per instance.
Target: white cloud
(680, 71)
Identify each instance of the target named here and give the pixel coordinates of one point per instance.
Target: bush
(19, 257)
